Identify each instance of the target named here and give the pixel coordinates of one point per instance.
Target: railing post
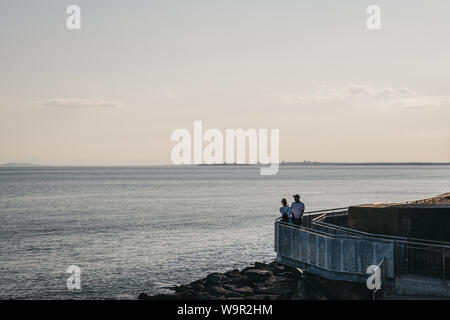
(443, 264)
(407, 257)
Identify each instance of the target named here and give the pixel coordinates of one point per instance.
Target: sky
(113, 92)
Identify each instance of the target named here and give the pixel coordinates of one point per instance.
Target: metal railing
(399, 255)
(334, 256)
(412, 255)
(423, 259)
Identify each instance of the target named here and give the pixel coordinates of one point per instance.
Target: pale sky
(113, 92)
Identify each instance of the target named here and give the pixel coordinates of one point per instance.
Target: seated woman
(286, 211)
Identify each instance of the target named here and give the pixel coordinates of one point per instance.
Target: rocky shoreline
(263, 281)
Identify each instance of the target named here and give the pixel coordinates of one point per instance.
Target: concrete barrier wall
(414, 221)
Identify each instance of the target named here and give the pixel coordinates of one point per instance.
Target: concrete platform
(419, 286)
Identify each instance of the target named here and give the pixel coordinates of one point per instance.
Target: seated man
(298, 208)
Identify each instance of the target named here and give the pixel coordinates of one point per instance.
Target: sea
(146, 229)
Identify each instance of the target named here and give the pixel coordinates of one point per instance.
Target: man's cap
(296, 195)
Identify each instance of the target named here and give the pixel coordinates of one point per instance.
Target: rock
(262, 297)
(182, 288)
(259, 282)
(213, 279)
(282, 290)
(203, 296)
(218, 290)
(258, 274)
(244, 290)
(144, 296)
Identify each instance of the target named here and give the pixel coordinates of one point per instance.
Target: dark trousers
(297, 221)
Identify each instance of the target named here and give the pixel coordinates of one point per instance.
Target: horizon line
(282, 163)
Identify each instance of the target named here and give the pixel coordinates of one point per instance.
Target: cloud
(351, 92)
(362, 95)
(78, 103)
(357, 90)
(422, 102)
(166, 94)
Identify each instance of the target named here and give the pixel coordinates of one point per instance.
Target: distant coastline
(20, 164)
(317, 163)
(287, 164)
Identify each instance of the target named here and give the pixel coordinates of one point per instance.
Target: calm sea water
(133, 230)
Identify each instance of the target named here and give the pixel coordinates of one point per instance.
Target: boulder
(259, 282)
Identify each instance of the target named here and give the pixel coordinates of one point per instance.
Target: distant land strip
(293, 164)
(316, 163)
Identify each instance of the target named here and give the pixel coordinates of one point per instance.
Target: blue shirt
(286, 211)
